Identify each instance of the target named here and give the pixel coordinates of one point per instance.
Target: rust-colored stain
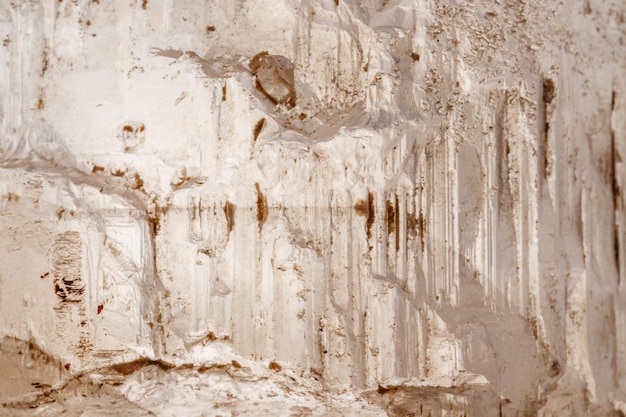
(210, 29)
(44, 276)
(415, 56)
(274, 366)
(224, 367)
(211, 336)
(144, 3)
(67, 366)
(397, 224)
(138, 182)
(224, 92)
(118, 173)
(261, 207)
(366, 209)
(96, 169)
(154, 217)
(229, 211)
(128, 128)
(100, 308)
(257, 128)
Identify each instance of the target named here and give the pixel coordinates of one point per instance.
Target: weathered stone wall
(420, 196)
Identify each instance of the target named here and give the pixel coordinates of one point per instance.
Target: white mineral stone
(312, 207)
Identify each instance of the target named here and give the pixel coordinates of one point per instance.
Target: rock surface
(405, 207)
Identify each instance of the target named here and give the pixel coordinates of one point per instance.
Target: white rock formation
(418, 201)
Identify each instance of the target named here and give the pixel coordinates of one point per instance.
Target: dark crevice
(617, 194)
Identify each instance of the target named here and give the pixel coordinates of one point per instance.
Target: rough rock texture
(419, 202)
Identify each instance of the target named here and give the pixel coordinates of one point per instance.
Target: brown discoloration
(138, 182)
(118, 173)
(411, 225)
(421, 225)
(362, 208)
(13, 197)
(397, 224)
(128, 128)
(549, 92)
(210, 29)
(97, 169)
(261, 207)
(274, 366)
(67, 267)
(555, 368)
(45, 275)
(41, 103)
(391, 217)
(224, 92)
(144, 4)
(229, 211)
(415, 56)
(44, 62)
(100, 308)
(274, 78)
(257, 128)
(228, 368)
(154, 217)
(255, 62)
(67, 366)
(128, 368)
(211, 337)
(366, 209)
